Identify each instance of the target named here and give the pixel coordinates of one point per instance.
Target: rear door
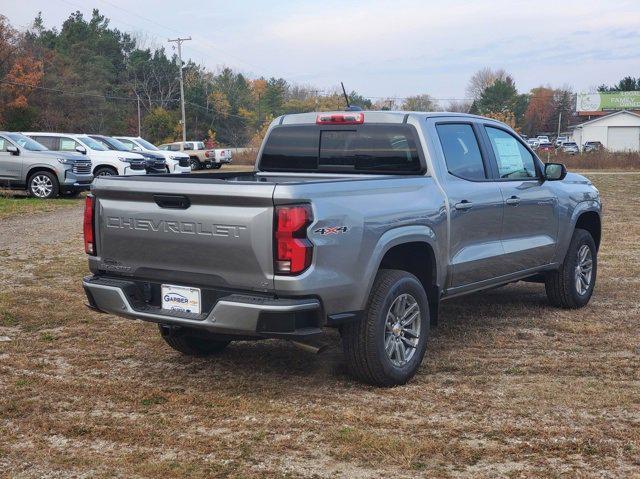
(192, 231)
(475, 205)
(530, 224)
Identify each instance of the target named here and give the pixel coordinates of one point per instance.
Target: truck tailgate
(186, 231)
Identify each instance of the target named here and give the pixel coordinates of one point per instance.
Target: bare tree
(422, 102)
(459, 106)
(483, 79)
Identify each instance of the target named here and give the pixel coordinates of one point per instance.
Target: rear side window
(461, 151)
(50, 142)
(370, 148)
(514, 160)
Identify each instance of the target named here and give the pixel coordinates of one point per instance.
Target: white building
(619, 131)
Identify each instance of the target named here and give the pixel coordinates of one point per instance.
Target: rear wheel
(386, 346)
(105, 171)
(194, 164)
(44, 185)
(216, 166)
(572, 285)
(191, 342)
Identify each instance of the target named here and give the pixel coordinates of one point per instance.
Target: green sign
(619, 100)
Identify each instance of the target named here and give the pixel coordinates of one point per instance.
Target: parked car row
(563, 144)
(52, 164)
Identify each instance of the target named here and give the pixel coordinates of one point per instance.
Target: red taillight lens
(89, 243)
(293, 249)
(340, 119)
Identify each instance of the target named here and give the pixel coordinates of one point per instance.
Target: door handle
(463, 205)
(513, 201)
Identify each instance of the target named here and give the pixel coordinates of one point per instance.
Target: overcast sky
(383, 48)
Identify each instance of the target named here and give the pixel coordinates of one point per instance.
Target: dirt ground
(510, 387)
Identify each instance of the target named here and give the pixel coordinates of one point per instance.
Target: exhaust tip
(311, 348)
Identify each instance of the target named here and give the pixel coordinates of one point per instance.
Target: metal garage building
(619, 131)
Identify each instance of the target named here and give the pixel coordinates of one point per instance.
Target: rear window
(361, 149)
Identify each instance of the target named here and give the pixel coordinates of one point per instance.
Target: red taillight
(293, 250)
(209, 154)
(89, 243)
(340, 119)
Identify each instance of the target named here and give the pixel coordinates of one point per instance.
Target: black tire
(194, 163)
(363, 341)
(43, 185)
(562, 286)
(216, 166)
(105, 171)
(191, 342)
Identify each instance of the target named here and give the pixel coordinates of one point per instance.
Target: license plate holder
(181, 298)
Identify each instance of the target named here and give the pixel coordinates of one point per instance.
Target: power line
(86, 94)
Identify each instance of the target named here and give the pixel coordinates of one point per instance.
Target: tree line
(87, 76)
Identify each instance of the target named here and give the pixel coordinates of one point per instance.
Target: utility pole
(184, 124)
(559, 122)
(139, 122)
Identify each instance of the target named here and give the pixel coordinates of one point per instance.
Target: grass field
(15, 204)
(510, 387)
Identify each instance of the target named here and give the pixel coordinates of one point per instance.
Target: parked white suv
(177, 162)
(104, 162)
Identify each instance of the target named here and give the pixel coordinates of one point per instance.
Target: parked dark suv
(154, 163)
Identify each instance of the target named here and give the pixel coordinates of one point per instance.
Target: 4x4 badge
(332, 230)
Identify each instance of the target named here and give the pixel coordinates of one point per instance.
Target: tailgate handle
(175, 202)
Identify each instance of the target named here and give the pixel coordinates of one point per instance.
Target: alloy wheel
(41, 186)
(584, 269)
(402, 329)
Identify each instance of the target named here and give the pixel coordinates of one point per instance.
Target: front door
(530, 224)
(10, 164)
(476, 207)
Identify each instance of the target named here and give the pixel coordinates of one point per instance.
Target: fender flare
(580, 208)
(395, 237)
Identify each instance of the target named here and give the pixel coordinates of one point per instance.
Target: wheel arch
(591, 222)
(410, 249)
(104, 165)
(37, 169)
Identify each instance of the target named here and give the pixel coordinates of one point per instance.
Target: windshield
(146, 145)
(113, 144)
(26, 142)
(93, 144)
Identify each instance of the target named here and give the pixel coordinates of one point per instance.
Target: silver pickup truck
(361, 221)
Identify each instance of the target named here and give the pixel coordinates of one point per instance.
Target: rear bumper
(232, 314)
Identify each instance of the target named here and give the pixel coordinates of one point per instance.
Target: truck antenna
(346, 98)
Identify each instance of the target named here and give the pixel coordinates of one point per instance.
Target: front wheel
(386, 346)
(191, 342)
(43, 185)
(194, 164)
(572, 285)
(105, 171)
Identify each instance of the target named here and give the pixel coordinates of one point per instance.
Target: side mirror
(81, 149)
(13, 150)
(554, 171)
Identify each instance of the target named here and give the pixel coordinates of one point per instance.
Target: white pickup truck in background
(199, 155)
